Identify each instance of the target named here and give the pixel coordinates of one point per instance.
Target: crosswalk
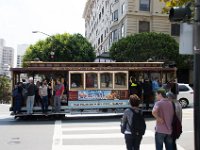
(5, 116)
(95, 136)
(187, 114)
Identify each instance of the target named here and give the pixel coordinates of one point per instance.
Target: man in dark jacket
(30, 96)
(17, 98)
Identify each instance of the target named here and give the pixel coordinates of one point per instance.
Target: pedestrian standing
(163, 113)
(132, 140)
(178, 110)
(59, 90)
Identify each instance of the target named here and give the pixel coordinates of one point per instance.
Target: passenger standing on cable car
(49, 91)
(30, 96)
(135, 87)
(38, 99)
(17, 97)
(147, 92)
(43, 92)
(59, 90)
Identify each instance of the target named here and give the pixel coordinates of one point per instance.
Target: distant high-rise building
(107, 21)
(1, 55)
(21, 49)
(6, 58)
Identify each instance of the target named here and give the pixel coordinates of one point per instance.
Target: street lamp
(41, 33)
(52, 53)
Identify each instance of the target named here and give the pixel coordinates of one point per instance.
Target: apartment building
(21, 49)
(1, 54)
(6, 58)
(106, 21)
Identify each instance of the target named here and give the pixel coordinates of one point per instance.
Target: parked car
(186, 95)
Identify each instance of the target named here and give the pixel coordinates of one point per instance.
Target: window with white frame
(115, 15)
(91, 80)
(114, 35)
(122, 30)
(106, 80)
(120, 80)
(123, 8)
(76, 80)
(101, 38)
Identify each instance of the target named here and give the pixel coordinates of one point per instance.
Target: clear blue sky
(18, 18)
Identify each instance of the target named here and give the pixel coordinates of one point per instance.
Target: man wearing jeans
(163, 112)
(59, 90)
(44, 96)
(30, 96)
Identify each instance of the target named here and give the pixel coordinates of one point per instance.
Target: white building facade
(21, 49)
(1, 55)
(107, 21)
(6, 58)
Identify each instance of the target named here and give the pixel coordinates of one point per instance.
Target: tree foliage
(66, 47)
(5, 87)
(142, 46)
(172, 3)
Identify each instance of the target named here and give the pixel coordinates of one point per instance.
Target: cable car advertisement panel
(99, 95)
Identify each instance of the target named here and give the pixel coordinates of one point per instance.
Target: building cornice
(87, 8)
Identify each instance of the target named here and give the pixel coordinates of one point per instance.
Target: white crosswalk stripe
(5, 116)
(82, 134)
(107, 147)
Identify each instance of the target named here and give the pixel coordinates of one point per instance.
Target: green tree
(5, 89)
(142, 46)
(172, 3)
(66, 47)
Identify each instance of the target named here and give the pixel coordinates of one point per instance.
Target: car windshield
(183, 88)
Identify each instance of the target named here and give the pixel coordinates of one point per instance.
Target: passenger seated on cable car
(90, 83)
(74, 85)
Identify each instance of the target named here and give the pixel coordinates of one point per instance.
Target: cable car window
(120, 80)
(106, 80)
(91, 80)
(76, 80)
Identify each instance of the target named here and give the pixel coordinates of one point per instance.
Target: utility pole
(178, 14)
(196, 44)
(184, 14)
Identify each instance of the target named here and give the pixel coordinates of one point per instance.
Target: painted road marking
(58, 138)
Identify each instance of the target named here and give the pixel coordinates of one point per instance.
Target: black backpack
(176, 125)
(138, 125)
